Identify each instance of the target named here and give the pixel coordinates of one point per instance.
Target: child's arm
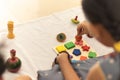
(96, 73)
(82, 28)
(66, 68)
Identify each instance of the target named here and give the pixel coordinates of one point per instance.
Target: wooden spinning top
(75, 20)
(13, 63)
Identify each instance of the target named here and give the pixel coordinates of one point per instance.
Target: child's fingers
(60, 54)
(81, 29)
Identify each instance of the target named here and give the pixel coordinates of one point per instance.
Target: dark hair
(2, 65)
(105, 12)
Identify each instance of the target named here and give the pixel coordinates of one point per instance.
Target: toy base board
(83, 53)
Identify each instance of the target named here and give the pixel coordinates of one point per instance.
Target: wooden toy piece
(61, 37)
(78, 38)
(83, 58)
(76, 52)
(75, 20)
(60, 48)
(69, 45)
(10, 30)
(92, 54)
(70, 56)
(85, 48)
(80, 43)
(13, 63)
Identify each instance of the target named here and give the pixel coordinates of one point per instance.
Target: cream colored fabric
(34, 41)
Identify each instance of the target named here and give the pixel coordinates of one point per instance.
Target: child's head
(104, 16)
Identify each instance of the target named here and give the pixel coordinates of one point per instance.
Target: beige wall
(25, 10)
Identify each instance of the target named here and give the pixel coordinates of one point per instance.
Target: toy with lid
(13, 63)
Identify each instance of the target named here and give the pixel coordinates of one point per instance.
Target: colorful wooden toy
(85, 48)
(76, 52)
(75, 21)
(80, 43)
(60, 48)
(10, 30)
(13, 63)
(78, 38)
(70, 56)
(92, 54)
(82, 52)
(69, 45)
(61, 37)
(83, 58)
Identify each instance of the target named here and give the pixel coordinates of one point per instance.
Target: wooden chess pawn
(13, 63)
(10, 30)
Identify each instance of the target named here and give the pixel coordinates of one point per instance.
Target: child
(104, 25)
(2, 66)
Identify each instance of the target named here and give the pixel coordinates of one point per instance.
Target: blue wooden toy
(76, 52)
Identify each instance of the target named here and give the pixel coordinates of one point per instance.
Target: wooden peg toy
(10, 30)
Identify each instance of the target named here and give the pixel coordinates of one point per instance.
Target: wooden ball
(13, 65)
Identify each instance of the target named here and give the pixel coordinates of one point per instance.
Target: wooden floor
(25, 10)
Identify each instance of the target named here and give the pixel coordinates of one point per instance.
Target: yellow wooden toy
(10, 30)
(60, 48)
(75, 21)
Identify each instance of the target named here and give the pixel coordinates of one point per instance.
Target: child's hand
(62, 56)
(82, 28)
(23, 77)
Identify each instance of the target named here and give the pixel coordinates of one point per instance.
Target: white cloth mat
(34, 41)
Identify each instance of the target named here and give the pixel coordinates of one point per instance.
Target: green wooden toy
(13, 63)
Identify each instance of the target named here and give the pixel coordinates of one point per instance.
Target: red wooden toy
(78, 38)
(85, 48)
(13, 63)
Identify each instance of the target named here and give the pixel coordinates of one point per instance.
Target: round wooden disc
(61, 37)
